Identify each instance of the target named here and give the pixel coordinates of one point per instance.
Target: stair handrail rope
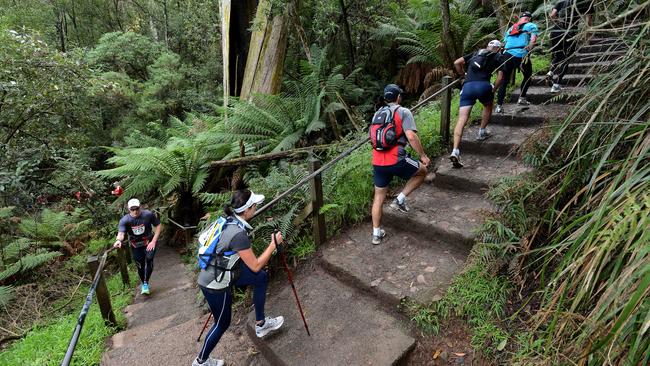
(344, 154)
(84, 310)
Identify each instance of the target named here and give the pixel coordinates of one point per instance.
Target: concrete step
(602, 47)
(177, 346)
(589, 67)
(568, 80)
(504, 140)
(444, 214)
(408, 263)
(580, 57)
(541, 94)
(479, 173)
(182, 299)
(347, 327)
(531, 115)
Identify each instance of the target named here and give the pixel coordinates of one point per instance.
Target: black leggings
(143, 259)
(563, 46)
(512, 64)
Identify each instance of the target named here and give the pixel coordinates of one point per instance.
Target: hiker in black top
(477, 86)
(140, 224)
(234, 238)
(566, 16)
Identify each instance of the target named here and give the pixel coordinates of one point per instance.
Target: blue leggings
(221, 306)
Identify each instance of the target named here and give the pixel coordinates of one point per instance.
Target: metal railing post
(124, 270)
(103, 298)
(318, 219)
(445, 110)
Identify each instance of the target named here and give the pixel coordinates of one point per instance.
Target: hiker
(140, 224)
(233, 240)
(518, 40)
(566, 16)
(389, 158)
(477, 86)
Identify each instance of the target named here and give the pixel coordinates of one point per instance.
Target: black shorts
(404, 169)
(476, 90)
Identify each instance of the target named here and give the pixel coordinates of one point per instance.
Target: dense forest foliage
(99, 93)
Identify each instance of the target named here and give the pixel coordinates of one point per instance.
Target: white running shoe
(498, 109)
(483, 136)
(270, 324)
(376, 239)
(401, 207)
(523, 101)
(549, 74)
(455, 160)
(209, 362)
(556, 88)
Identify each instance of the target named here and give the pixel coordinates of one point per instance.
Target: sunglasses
(134, 208)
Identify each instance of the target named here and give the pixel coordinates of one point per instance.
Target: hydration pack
(480, 60)
(517, 29)
(385, 129)
(209, 240)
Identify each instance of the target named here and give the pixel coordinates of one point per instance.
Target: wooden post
(316, 185)
(103, 298)
(445, 111)
(124, 271)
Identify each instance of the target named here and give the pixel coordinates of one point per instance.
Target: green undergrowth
(47, 343)
(475, 296)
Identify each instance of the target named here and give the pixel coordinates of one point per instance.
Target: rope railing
(84, 310)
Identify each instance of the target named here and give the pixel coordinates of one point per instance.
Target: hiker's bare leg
(463, 116)
(377, 203)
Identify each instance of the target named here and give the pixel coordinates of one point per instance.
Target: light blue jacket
(514, 45)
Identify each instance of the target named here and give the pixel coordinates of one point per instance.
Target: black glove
(278, 247)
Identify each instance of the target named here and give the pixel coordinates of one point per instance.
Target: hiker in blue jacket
(518, 40)
(234, 239)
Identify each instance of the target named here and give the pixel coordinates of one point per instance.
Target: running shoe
(401, 207)
(270, 324)
(209, 362)
(556, 88)
(455, 160)
(498, 109)
(484, 135)
(376, 239)
(523, 101)
(145, 289)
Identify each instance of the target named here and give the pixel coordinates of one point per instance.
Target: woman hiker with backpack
(232, 262)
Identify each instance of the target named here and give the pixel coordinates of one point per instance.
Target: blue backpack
(209, 240)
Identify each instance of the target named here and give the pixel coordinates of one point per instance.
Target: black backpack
(480, 61)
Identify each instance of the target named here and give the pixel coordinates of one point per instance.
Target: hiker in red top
(391, 130)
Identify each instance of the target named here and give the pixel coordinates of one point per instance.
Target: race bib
(138, 230)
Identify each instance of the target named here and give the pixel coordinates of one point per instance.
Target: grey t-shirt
(139, 227)
(233, 238)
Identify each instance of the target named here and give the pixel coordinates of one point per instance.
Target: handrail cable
(84, 311)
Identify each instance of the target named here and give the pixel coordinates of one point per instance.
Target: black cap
(391, 91)
(526, 14)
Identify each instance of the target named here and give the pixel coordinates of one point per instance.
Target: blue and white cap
(252, 200)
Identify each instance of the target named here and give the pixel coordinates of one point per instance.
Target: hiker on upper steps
(234, 264)
(480, 67)
(519, 40)
(392, 128)
(566, 16)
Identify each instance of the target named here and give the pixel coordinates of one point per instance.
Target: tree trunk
(348, 36)
(502, 13)
(224, 12)
(447, 39)
(263, 73)
(242, 12)
(294, 12)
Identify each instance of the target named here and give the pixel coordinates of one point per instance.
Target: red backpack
(385, 129)
(517, 29)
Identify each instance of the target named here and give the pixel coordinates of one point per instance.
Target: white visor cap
(255, 199)
(133, 202)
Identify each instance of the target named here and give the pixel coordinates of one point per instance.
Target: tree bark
(348, 35)
(447, 39)
(224, 11)
(268, 46)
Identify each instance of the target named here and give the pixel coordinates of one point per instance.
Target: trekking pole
(204, 326)
(293, 287)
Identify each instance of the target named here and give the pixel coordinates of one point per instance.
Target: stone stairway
(351, 291)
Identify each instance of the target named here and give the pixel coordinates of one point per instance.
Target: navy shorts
(404, 169)
(473, 90)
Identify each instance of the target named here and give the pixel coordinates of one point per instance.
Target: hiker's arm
(415, 143)
(152, 244)
(498, 81)
(458, 65)
(119, 239)
(257, 263)
(531, 44)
